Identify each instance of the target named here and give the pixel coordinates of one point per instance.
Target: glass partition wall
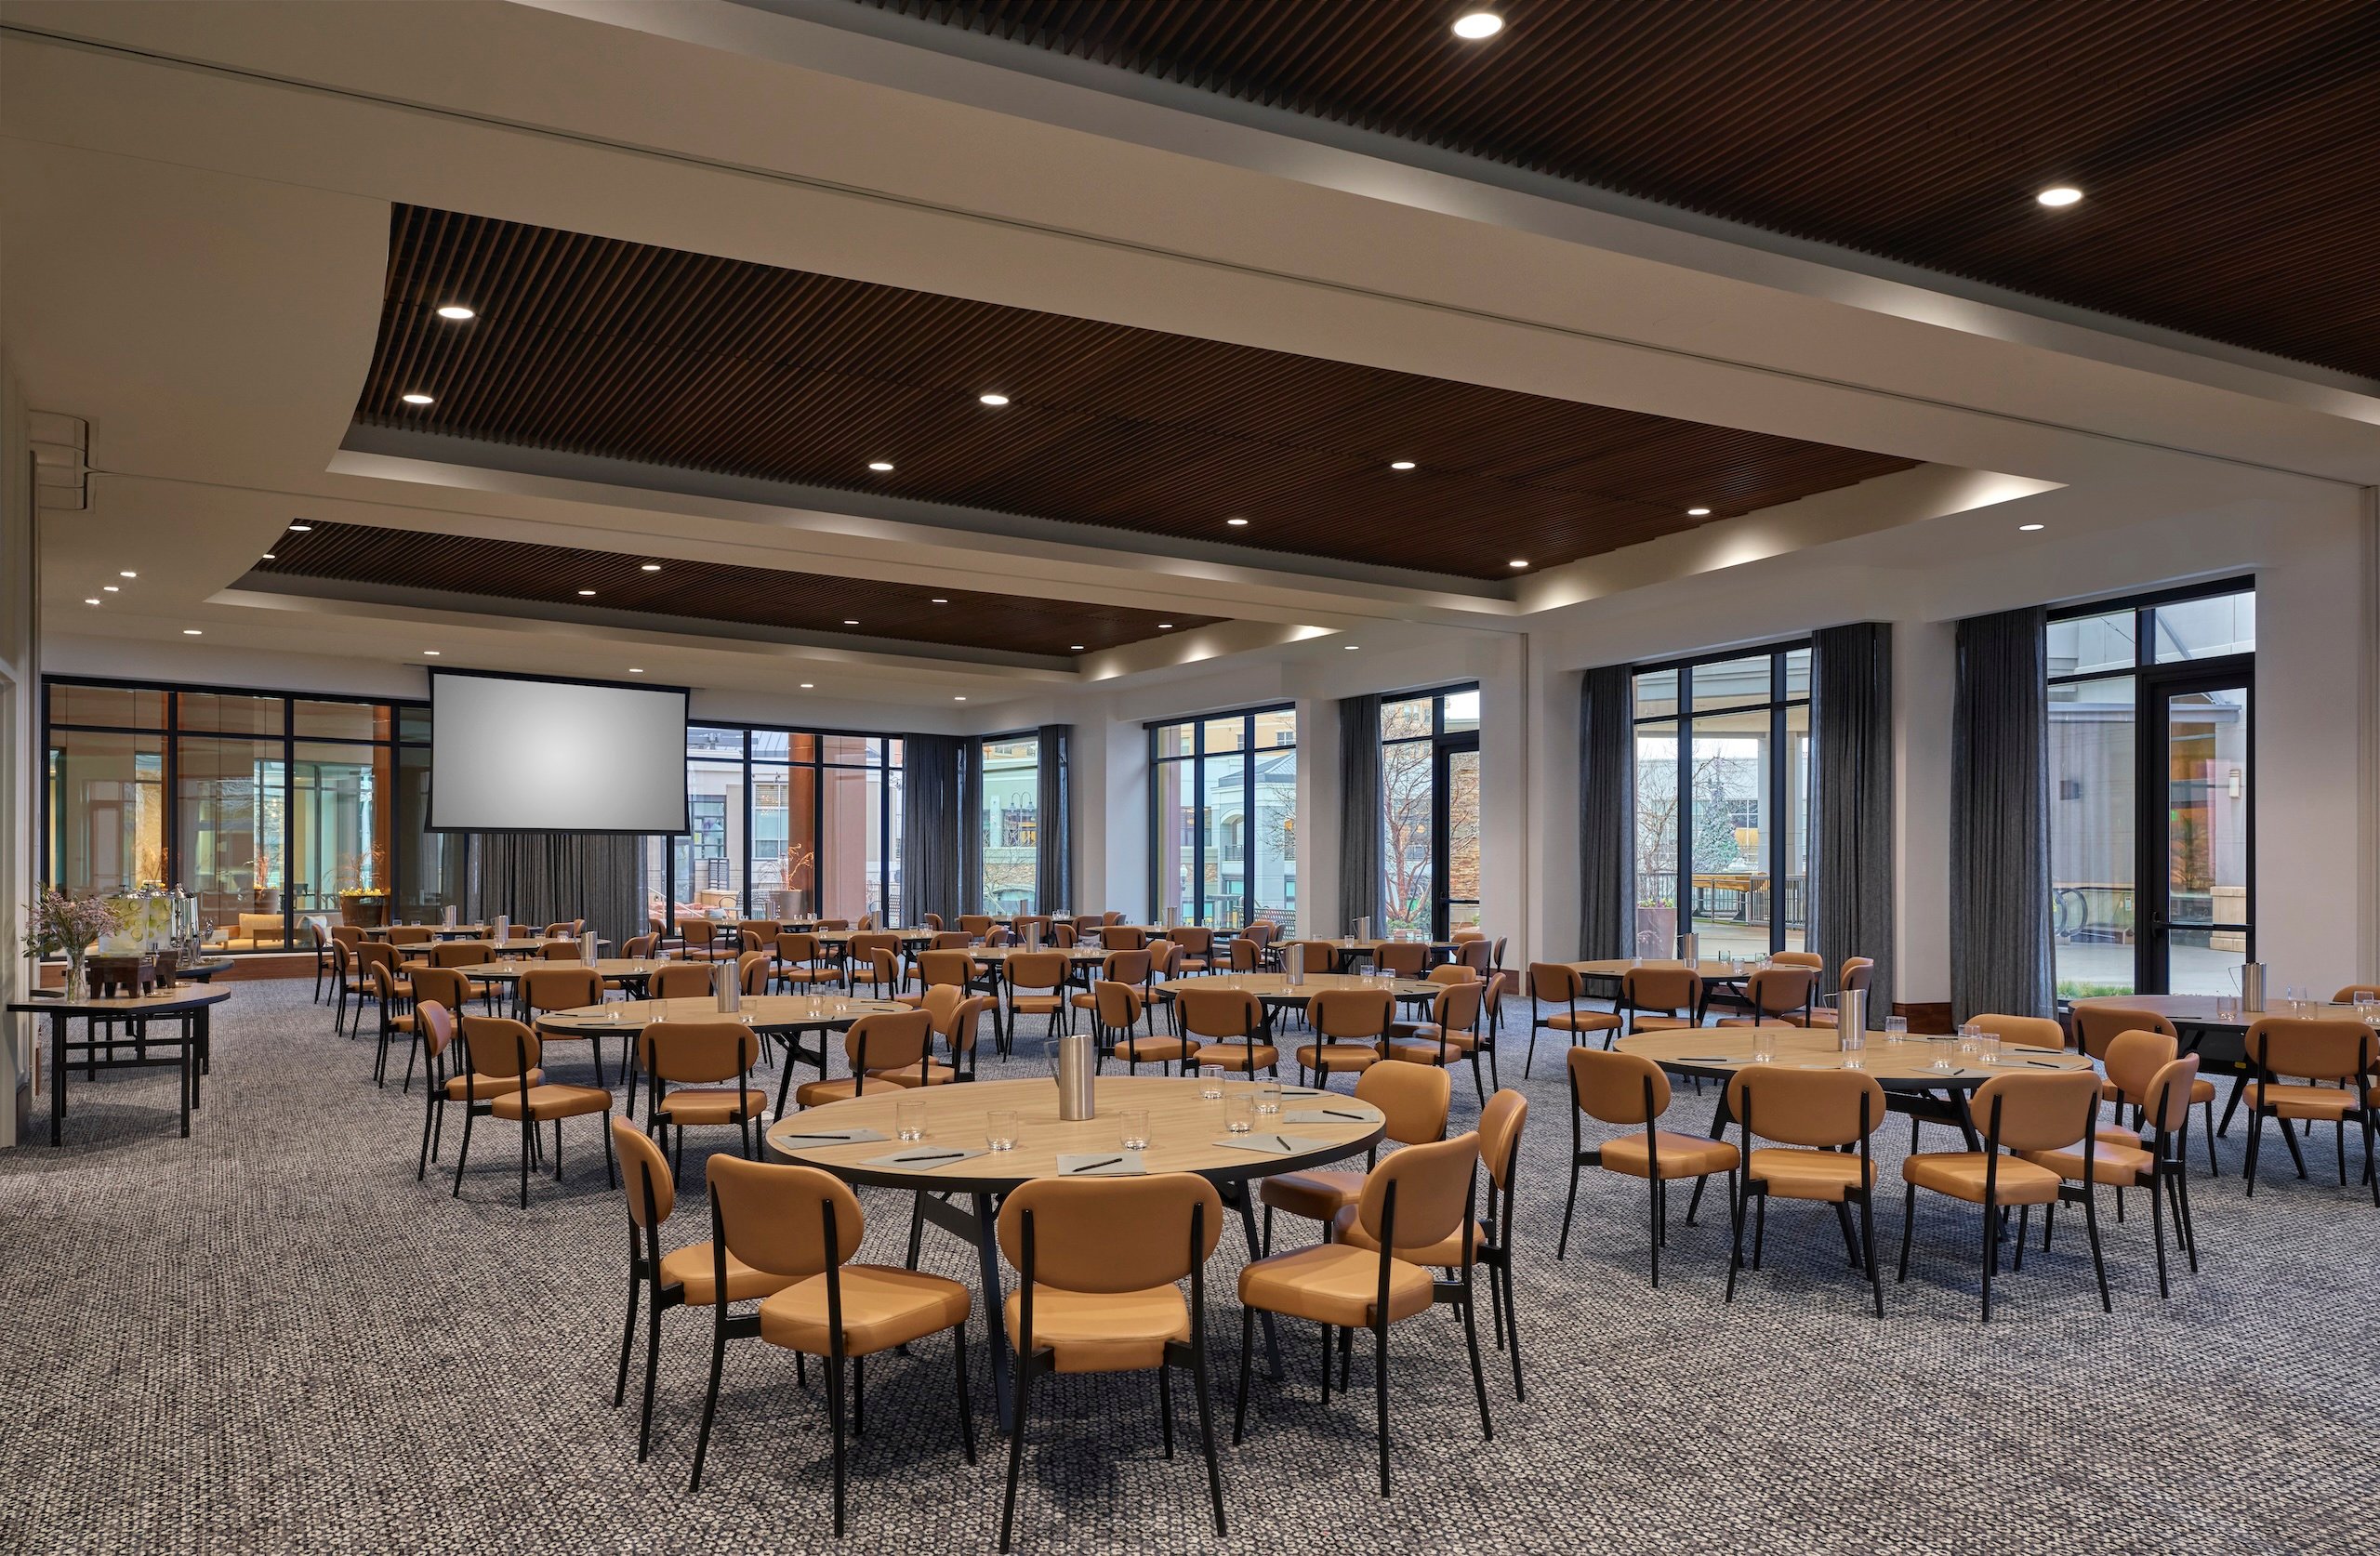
(1722, 785)
(1222, 819)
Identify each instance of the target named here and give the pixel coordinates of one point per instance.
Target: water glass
(1970, 1035)
(1987, 1048)
(2226, 1007)
(1268, 1097)
(910, 1120)
(2368, 1011)
(1896, 1029)
(999, 1128)
(1239, 1113)
(1763, 1046)
(1210, 1083)
(1133, 1131)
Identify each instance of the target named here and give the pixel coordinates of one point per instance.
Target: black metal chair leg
(1246, 1361)
(628, 1340)
(1380, 1391)
(2099, 1265)
(710, 1393)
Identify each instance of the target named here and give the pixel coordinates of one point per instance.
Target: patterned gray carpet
(269, 1338)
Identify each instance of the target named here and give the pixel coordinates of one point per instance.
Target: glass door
(2199, 922)
(1456, 829)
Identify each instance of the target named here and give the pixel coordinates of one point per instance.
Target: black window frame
(1444, 746)
(1195, 761)
(817, 763)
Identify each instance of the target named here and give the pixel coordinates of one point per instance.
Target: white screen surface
(543, 756)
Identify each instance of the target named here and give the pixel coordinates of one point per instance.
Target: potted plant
(363, 902)
(64, 925)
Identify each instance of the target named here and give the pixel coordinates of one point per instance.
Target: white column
(1924, 659)
(1318, 817)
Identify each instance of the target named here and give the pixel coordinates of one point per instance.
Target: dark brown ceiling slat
(710, 591)
(2223, 145)
(591, 346)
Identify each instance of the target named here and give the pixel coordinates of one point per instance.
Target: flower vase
(78, 984)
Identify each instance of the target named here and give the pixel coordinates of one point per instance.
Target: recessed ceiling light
(301, 529)
(90, 601)
(1075, 648)
(267, 557)
(1237, 523)
(940, 600)
(993, 399)
(1400, 464)
(1698, 513)
(1165, 627)
(1516, 563)
(849, 621)
(957, 699)
(416, 397)
(586, 594)
(430, 653)
(1475, 25)
(806, 685)
(109, 588)
(127, 573)
(456, 312)
(636, 669)
(653, 567)
(2058, 196)
(192, 632)
(881, 467)
(1352, 647)
(2029, 526)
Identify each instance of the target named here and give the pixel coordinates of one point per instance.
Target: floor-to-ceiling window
(1722, 785)
(786, 824)
(1222, 819)
(2150, 791)
(1429, 770)
(1010, 817)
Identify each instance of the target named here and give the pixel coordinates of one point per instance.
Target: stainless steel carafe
(1851, 1020)
(1077, 1065)
(728, 987)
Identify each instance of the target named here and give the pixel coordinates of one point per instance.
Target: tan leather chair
(1118, 967)
(760, 932)
(1401, 958)
(548, 986)
(1098, 1262)
(566, 928)
(440, 985)
(2118, 1159)
(875, 1044)
(2354, 994)
(506, 1052)
(931, 922)
(1122, 937)
(1228, 1026)
(803, 963)
(1037, 986)
(394, 1000)
(1560, 984)
(1246, 955)
(1197, 944)
(1451, 1032)
(2096, 1026)
(1631, 1091)
(708, 940)
(956, 1018)
(1066, 936)
(1409, 1205)
(399, 934)
(1476, 952)
(1491, 1239)
(2025, 1031)
(2028, 1113)
(559, 951)
(447, 1079)
(1116, 1008)
(876, 962)
(804, 1226)
(1812, 1114)
(1658, 998)
(975, 925)
(1310, 956)
(1779, 996)
(1799, 958)
(2331, 1061)
(1351, 1031)
(696, 1058)
(1415, 1100)
(678, 981)
(1858, 973)
(681, 1277)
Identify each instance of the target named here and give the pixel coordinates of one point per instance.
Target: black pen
(1334, 1113)
(2043, 1065)
(1094, 1167)
(1283, 1143)
(798, 1134)
(943, 1156)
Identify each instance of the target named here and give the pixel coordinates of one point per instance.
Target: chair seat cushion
(1960, 1174)
(691, 1267)
(1342, 1058)
(811, 1094)
(1333, 1284)
(1679, 1156)
(1427, 1032)
(711, 1104)
(934, 1072)
(1661, 1023)
(810, 975)
(1414, 1050)
(1447, 1254)
(1086, 1002)
(1154, 1050)
(1583, 1020)
(1239, 1056)
(1795, 1174)
(1318, 1195)
(883, 1308)
(552, 1101)
(1191, 964)
(481, 1087)
(1122, 1331)
(1036, 1005)
(2111, 1162)
(2301, 1102)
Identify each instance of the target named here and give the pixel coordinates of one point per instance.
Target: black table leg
(988, 1248)
(186, 1062)
(1720, 1119)
(57, 1078)
(199, 1048)
(1238, 1194)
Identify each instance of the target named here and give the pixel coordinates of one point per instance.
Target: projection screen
(510, 755)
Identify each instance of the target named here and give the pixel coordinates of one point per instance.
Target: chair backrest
(1499, 1134)
(1433, 1184)
(1667, 989)
(1210, 1012)
(1456, 1006)
(2096, 1025)
(1350, 1013)
(940, 1001)
(1799, 958)
(865, 921)
(2133, 1058)
(797, 949)
(639, 947)
(1452, 972)
(1475, 953)
(952, 940)
(1462, 932)
(698, 931)
(434, 1019)
(837, 924)
(999, 935)
(1775, 990)
(1196, 940)
(1165, 957)
(680, 981)
(641, 1164)
(1858, 972)
(443, 984)
(1415, 1097)
(2167, 1101)
(888, 1040)
(2356, 993)
(409, 935)
(1404, 958)
(559, 951)
(1037, 970)
(568, 928)
(2315, 1048)
(1113, 915)
(2036, 1113)
(346, 935)
(1262, 932)
(1114, 1235)
(762, 930)
(374, 953)
(1066, 936)
(1608, 1085)
(975, 923)
(865, 943)
(384, 983)
(1121, 938)
(559, 986)
(945, 966)
(1555, 982)
(2028, 1032)
(1821, 1108)
(1245, 954)
(1310, 955)
(697, 1053)
(753, 970)
(1118, 1005)
(959, 1023)
(933, 922)
(500, 1047)
(773, 1216)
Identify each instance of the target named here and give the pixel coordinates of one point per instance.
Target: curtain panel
(930, 827)
(1851, 854)
(969, 821)
(544, 877)
(2000, 930)
(1606, 814)
(1053, 820)
(1359, 802)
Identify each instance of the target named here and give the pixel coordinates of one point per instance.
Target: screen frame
(685, 717)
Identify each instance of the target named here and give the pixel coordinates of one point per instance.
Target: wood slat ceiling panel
(713, 591)
(597, 347)
(2225, 146)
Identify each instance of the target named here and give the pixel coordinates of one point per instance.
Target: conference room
(1661, 760)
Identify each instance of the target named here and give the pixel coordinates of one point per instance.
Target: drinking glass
(999, 1128)
(1970, 1035)
(1763, 1046)
(1268, 1097)
(2225, 1006)
(1239, 1113)
(1987, 1048)
(1210, 1083)
(910, 1120)
(1132, 1132)
(1896, 1029)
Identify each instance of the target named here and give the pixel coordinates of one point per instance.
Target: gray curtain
(1999, 934)
(1053, 854)
(1359, 799)
(929, 829)
(542, 878)
(971, 827)
(1606, 814)
(1850, 895)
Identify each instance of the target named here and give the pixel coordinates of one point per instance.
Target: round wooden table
(1275, 988)
(2220, 1041)
(785, 1016)
(185, 1005)
(1182, 1130)
(1716, 974)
